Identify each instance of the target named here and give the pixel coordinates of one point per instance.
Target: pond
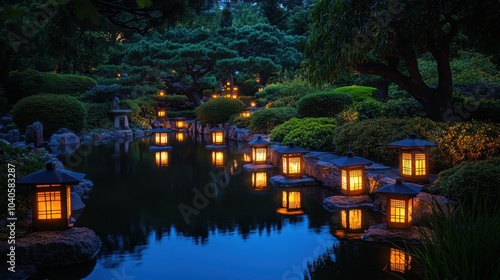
(157, 219)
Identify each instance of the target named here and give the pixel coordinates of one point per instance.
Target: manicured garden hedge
(97, 115)
(218, 110)
(264, 121)
(322, 104)
(358, 93)
(53, 111)
(31, 82)
(309, 133)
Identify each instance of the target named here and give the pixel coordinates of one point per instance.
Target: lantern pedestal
(279, 181)
(120, 117)
(257, 167)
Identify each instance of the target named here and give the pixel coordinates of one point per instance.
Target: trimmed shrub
(358, 93)
(53, 111)
(218, 110)
(102, 93)
(308, 133)
(471, 181)
(264, 121)
(97, 115)
(403, 107)
(142, 110)
(249, 87)
(322, 104)
(369, 109)
(175, 101)
(31, 82)
(239, 121)
(188, 114)
(294, 90)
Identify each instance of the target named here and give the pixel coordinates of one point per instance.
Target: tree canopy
(385, 38)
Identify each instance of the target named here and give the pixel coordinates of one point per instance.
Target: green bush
(97, 116)
(469, 179)
(486, 110)
(53, 111)
(358, 93)
(322, 104)
(31, 82)
(308, 133)
(264, 121)
(142, 110)
(239, 121)
(249, 87)
(176, 101)
(26, 161)
(294, 90)
(369, 109)
(403, 107)
(102, 93)
(188, 114)
(218, 110)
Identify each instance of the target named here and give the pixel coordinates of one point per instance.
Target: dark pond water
(238, 231)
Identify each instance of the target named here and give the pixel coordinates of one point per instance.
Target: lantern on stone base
(259, 148)
(352, 177)
(51, 197)
(218, 136)
(179, 123)
(413, 158)
(161, 112)
(159, 137)
(399, 209)
(292, 161)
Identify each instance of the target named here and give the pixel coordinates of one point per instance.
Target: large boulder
(65, 138)
(380, 233)
(54, 248)
(13, 135)
(335, 202)
(34, 134)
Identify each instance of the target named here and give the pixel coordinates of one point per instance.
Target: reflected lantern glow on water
(351, 219)
(162, 158)
(217, 158)
(179, 136)
(399, 260)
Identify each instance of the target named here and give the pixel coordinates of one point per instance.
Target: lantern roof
(292, 149)
(400, 187)
(51, 175)
(351, 160)
(412, 142)
(259, 142)
(160, 130)
(217, 129)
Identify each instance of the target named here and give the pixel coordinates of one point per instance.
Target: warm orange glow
(235, 96)
(218, 137)
(253, 104)
(161, 113)
(245, 114)
(162, 158)
(118, 76)
(397, 211)
(235, 89)
(179, 124)
(291, 165)
(257, 79)
(217, 158)
(399, 260)
(162, 92)
(344, 179)
(68, 202)
(291, 200)
(228, 83)
(247, 158)
(179, 136)
(161, 138)
(420, 164)
(49, 205)
(261, 89)
(214, 96)
(406, 168)
(354, 220)
(259, 179)
(259, 154)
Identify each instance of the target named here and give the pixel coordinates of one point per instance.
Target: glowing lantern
(257, 79)
(292, 166)
(253, 104)
(399, 260)
(214, 96)
(159, 137)
(245, 114)
(162, 92)
(162, 158)
(399, 203)
(351, 219)
(413, 158)
(218, 136)
(51, 196)
(260, 88)
(218, 158)
(247, 158)
(161, 112)
(118, 76)
(352, 177)
(179, 136)
(259, 150)
(259, 179)
(179, 123)
(291, 203)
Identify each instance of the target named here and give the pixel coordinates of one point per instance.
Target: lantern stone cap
(52, 175)
(217, 129)
(160, 129)
(400, 187)
(259, 142)
(411, 142)
(292, 149)
(351, 160)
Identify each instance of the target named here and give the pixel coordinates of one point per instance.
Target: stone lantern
(245, 114)
(161, 112)
(159, 138)
(51, 197)
(413, 158)
(179, 123)
(399, 207)
(218, 135)
(352, 177)
(292, 161)
(259, 149)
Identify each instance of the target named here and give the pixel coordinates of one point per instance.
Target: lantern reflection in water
(247, 158)
(399, 260)
(291, 203)
(162, 158)
(179, 136)
(218, 158)
(259, 180)
(351, 219)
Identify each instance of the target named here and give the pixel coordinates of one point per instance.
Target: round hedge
(218, 110)
(264, 121)
(53, 111)
(358, 93)
(322, 104)
(309, 133)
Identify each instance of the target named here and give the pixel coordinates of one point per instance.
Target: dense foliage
(358, 93)
(309, 133)
(284, 94)
(218, 110)
(264, 121)
(53, 111)
(322, 104)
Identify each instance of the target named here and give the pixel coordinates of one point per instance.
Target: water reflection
(352, 223)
